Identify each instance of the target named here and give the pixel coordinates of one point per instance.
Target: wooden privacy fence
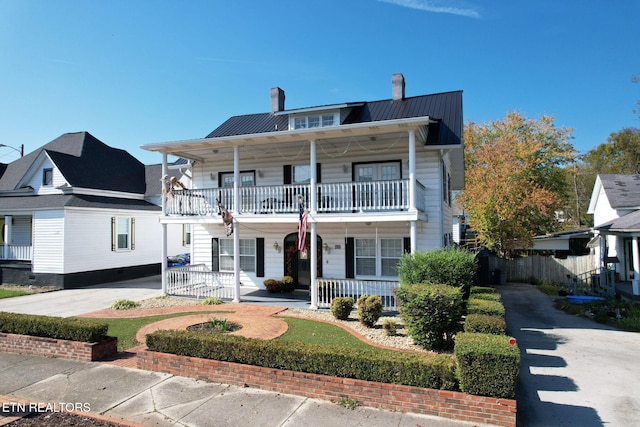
(538, 267)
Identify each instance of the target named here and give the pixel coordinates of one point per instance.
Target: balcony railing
(15, 252)
(371, 196)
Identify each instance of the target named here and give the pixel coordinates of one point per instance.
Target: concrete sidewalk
(156, 399)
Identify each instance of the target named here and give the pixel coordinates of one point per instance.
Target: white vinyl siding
(48, 242)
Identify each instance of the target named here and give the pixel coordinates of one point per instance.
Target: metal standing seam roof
(446, 108)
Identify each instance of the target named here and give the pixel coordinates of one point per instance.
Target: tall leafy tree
(515, 180)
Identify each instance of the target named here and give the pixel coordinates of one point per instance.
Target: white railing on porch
(16, 252)
(200, 282)
(328, 289)
(371, 196)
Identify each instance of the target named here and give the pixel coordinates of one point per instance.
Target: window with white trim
(186, 234)
(371, 262)
(47, 176)
(247, 255)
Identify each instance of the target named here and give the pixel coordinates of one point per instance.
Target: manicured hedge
(485, 324)
(487, 364)
(71, 329)
(483, 306)
(437, 372)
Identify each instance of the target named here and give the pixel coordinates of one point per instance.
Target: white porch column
(314, 266)
(8, 224)
(313, 203)
(412, 171)
(236, 227)
(164, 250)
(412, 189)
(635, 283)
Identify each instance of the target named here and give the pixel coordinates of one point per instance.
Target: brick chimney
(277, 99)
(397, 83)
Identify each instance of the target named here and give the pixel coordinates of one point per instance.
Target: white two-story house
(375, 179)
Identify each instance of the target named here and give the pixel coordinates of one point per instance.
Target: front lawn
(126, 329)
(6, 293)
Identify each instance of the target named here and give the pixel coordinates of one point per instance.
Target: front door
(297, 264)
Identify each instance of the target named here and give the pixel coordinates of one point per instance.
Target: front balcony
(371, 196)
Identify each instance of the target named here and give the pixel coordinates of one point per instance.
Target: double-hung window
(314, 121)
(378, 258)
(247, 255)
(122, 233)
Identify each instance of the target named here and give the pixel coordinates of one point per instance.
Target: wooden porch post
(635, 283)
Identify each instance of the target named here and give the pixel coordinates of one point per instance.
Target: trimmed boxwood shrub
(451, 266)
(437, 372)
(341, 307)
(369, 309)
(482, 290)
(485, 324)
(432, 313)
(488, 297)
(487, 365)
(482, 306)
(62, 328)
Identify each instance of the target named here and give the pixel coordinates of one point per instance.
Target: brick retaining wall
(441, 403)
(50, 347)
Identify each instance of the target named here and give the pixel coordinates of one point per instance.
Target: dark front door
(297, 264)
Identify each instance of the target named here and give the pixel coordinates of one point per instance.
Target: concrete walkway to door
(574, 371)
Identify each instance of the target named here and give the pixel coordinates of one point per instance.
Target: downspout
(8, 232)
(635, 283)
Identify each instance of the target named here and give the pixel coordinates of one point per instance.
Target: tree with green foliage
(515, 179)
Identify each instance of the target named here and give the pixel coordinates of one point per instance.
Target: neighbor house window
(122, 233)
(369, 261)
(247, 255)
(47, 176)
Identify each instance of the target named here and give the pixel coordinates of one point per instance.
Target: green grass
(126, 329)
(6, 293)
(321, 333)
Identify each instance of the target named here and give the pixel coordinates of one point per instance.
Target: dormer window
(47, 176)
(314, 121)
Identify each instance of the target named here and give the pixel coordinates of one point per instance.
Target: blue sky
(136, 72)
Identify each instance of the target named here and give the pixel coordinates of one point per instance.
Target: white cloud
(436, 6)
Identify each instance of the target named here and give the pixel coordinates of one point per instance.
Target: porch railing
(198, 281)
(600, 281)
(16, 252)
(371, 196)
(328, 289)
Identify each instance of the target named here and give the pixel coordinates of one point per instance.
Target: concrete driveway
(72, 302)
(574, 372)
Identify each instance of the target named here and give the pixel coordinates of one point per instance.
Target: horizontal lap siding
(48, 242)
(88, 240)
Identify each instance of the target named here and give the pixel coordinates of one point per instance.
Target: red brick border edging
(50, 347)
(441, 403)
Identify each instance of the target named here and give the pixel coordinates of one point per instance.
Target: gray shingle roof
(72, 200)
(623, 191)
(627, 223)
(85, 162)
(444, 107)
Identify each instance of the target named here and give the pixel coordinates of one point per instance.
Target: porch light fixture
(344, 168)
(277, 247)
(260, 173)
(326, 248)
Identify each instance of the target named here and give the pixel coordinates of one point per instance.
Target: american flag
(302, 228)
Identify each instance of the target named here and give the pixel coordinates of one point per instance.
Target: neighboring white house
(615, 205)
(73, 213)
(376, 179)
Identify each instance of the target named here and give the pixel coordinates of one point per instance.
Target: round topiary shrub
(341, 307)
(369, 309)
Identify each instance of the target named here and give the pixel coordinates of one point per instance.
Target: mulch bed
(60, 419)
